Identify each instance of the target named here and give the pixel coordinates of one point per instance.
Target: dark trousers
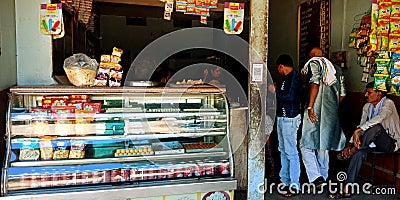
(383, 142)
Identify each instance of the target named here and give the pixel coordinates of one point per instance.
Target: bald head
(316, 52)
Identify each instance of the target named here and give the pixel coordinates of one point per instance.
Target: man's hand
(313, 117)
(356, 137)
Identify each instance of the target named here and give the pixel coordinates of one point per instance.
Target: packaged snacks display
(80, 69)
(83, 118)
(63, 119)
(92, 107)
(110, 72)
(49, 101)
(77, 150)
(46, 149)
(61, 149)
(40, 121)
(102, 75)
(29, 149)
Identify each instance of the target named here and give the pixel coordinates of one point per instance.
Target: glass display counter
(117, 143)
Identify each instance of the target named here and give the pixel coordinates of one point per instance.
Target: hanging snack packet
(395, 79)
(382, 66)
(383, 27)
(395, 25)
(395, 11)
(394, 42)
(384, 10)
(380, 82)
(181, 6)
(395, 67)
(384, 55)
(353, 37)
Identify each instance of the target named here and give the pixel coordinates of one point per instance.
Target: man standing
(288, 94)
(321, 130)
(379, 129)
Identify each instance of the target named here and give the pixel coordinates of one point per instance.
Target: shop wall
(282, 34)
(7, 44)
(345, 16)
(34, 52)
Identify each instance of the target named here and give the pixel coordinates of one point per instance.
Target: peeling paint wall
(8, 62)
(34, 50)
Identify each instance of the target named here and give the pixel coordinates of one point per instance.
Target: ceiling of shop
(146, 8)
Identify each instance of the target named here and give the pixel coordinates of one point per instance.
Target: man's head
(316, 52)
(284, 64)
(372, 95)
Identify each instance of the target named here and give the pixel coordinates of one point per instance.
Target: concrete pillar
(257, 98)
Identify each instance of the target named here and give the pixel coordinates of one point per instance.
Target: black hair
(372, 85)
(285, 60)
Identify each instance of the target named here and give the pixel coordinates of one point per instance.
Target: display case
(117, 143)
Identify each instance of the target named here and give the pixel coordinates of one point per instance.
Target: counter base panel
(133, 191)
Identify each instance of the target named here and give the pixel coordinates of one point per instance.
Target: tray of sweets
(202, 147)
(140, 150)
(173, 147)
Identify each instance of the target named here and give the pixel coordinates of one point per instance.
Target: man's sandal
(347, 152)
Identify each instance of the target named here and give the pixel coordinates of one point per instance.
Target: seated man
(379, 130)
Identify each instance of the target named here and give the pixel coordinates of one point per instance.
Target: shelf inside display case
(116, 160)
(58, 135)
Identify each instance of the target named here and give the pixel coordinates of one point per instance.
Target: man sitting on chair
(379, 130)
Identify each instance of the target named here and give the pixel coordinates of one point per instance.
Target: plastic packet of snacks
(380, 82)
(77, 150)
(105, 58)
(382, 66)
(46, 149)
(29, 149)
(117, 52)
(61, 149)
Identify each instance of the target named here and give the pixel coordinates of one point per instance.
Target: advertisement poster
(233, 17)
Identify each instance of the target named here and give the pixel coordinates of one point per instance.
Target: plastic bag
(80, 69)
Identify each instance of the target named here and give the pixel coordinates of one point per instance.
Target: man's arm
(314, 88)
(315, 80)
(386, 110)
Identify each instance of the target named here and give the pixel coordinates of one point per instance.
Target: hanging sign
(169, 7)
(51, 18)
(233, 17)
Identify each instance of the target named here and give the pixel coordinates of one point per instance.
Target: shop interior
(131, 25)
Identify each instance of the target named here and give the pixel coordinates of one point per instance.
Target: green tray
(101, 152)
